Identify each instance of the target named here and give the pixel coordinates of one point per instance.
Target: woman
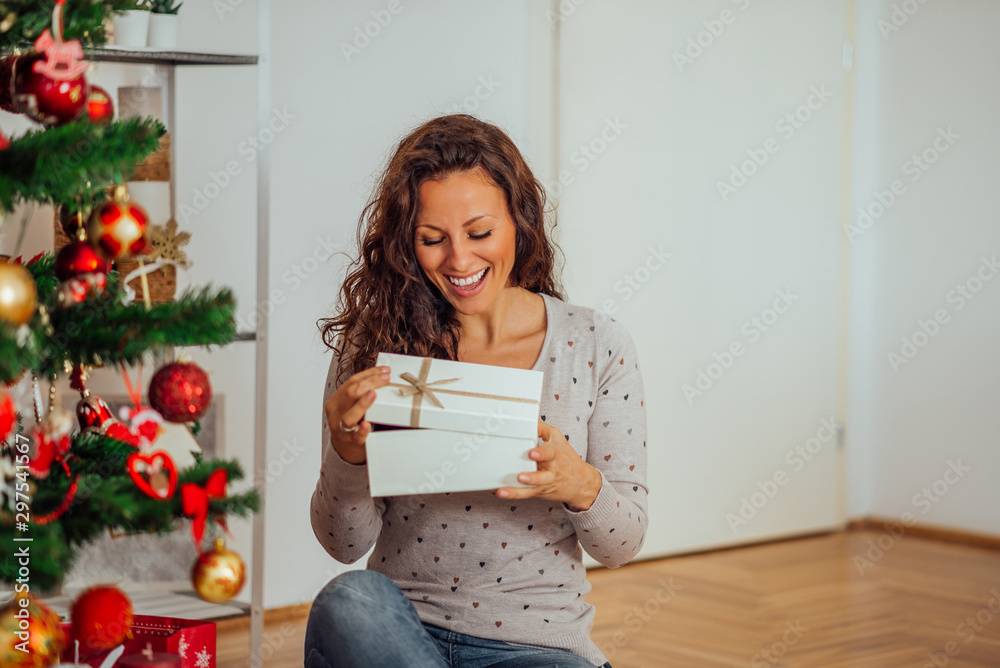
(456, 264)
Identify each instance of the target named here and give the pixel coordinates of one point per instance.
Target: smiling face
(465, 239)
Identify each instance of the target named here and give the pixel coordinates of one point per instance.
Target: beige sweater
(511, 570)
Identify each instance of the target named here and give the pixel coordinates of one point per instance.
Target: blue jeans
(361, 619)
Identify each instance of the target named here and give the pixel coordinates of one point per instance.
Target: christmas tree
(66, 480)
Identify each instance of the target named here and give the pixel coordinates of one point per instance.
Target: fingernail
(523, 477)
(385, 370)
(502, 492)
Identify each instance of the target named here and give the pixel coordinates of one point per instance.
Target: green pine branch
(15, 358)
(102, 331)
(82, 20)
(74, 164)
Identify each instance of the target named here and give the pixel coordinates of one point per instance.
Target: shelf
(154, 57)
(163, 599)
(245, 336)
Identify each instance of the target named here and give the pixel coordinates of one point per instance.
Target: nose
(460, 256)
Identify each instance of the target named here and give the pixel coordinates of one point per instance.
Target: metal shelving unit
(172, 60)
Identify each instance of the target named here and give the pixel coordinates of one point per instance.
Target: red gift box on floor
(191, 639)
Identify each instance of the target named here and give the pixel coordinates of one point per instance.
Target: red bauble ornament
(94, 414)
(102, 618)
(8, 415)
(44, 98)
(100, 108)
(118, 226)
(4, 142)
(77, 258)
(180, 392)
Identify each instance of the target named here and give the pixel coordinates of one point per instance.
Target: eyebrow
(465, 224)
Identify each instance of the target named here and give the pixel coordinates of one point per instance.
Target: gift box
(472, 426)
(192, 640)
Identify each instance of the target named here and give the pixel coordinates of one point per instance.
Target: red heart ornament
(136, 471)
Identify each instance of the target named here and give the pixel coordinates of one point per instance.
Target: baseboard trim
(274, 616)
(932, 532)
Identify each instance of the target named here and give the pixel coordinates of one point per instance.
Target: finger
(542, 453)
(354, 388)
(373, 371)
(357, 398)
(537, 478)
(356, 412)
(518, 492)
(355, 438)
(360, 388)
(544, 431)
(361, 435)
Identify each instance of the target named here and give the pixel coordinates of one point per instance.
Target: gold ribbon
(420, 388)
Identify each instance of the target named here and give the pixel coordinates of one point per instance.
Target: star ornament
(166, 243)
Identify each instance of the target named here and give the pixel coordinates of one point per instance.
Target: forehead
(470, 186)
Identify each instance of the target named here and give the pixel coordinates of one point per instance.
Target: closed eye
(425, 241)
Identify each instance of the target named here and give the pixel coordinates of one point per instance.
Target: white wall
(907, 421)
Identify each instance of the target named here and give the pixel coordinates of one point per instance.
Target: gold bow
(420, 388)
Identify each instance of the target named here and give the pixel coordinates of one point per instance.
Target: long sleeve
(345, 518)
(613, 529)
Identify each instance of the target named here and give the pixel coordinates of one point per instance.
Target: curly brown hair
(386, 303)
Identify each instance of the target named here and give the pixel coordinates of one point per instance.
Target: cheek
(425, 257)
(509, 248)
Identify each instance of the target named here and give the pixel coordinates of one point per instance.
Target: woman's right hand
(347, 407)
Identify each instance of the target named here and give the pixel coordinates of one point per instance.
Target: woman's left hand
(561, 476)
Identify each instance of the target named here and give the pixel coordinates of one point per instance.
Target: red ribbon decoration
(194, 502)
(64, 506)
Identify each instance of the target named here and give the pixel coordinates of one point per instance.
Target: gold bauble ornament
(32, 626)
(218, 574)
(18, 296)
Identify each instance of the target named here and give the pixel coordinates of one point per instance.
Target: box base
(433, 461)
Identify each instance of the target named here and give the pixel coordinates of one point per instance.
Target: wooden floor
(858, 599)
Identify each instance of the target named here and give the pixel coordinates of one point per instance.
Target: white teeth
(462, 282)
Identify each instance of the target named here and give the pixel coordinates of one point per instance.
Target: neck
(496, 323)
